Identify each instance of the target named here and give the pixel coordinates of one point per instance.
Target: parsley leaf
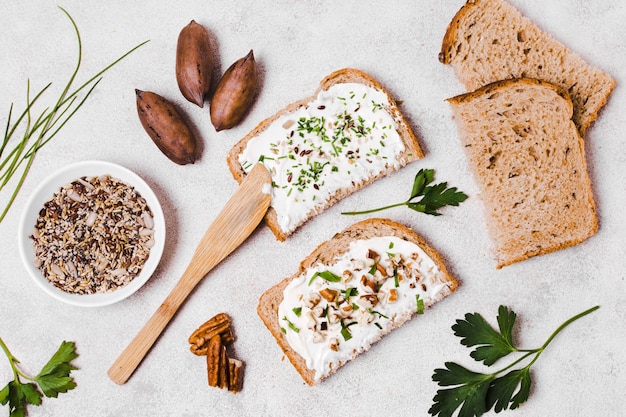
(433, 197)
(475, 331)
(53, 379)
(501, 390)
(470, 389)
(476, 393)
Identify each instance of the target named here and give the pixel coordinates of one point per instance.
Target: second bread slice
(490, 40)
(352, 290)
(529, 162)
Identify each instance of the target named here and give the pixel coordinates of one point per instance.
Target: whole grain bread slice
(326, 253)
(528, 160)
(490, 40)
(412, 150)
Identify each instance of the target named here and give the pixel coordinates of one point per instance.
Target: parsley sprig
(476, 393)
(425, 198)
(53, 379)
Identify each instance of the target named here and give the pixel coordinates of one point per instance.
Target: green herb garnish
(345, 331)
(372, 312)
(41, 129)
(291, 325)
(425, 198)
(373, 269)
(53, 379)
(327, 275)
(477, 393)
(297, 311)
(420, 304)
(350, 292)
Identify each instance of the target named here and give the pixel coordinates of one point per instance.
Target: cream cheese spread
(337, 141)
(331, 313)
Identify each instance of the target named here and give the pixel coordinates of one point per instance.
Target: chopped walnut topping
(313, 300)
(334, 344)
(334, 318)
(393, 295)
(370, 300)
(93, 236)
(381, 269)
(372, 254)
(329, 295)
(318, 337)
(371, 284)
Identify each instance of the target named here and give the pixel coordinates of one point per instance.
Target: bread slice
(340, 155)
(490, 40)
(529, 162)
(432, 287)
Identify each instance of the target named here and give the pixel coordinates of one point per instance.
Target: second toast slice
(349, 292)
(529, 162)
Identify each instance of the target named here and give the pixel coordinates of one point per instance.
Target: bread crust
(325, 253)
(412, 152)
(503, 84)
(512, 46)
(583, 211)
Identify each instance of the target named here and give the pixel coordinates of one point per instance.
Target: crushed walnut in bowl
(92, 233)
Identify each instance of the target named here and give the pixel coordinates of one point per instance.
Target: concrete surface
(296, 44)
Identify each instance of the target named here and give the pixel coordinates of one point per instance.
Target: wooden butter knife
(237, 220)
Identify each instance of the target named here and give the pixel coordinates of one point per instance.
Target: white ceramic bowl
(46, 190)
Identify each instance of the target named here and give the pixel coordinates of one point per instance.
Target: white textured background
(296, 44)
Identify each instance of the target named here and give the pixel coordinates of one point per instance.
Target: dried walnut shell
(234, 93)
(194, 62)
(166, 127)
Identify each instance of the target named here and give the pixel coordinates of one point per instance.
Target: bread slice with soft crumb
(399, 272)
(528, 160)
(349, 133)
(490, 40)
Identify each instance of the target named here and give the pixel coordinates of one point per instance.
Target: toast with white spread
(528, 160)
(490, 40)
(349, 292)
(325, 147)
